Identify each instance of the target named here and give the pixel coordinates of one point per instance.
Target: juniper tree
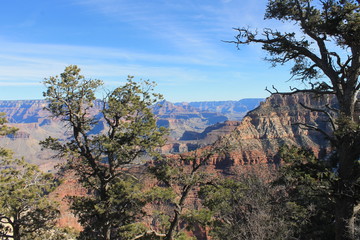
(326, 44)
(179, 179)
(246, 205)
(308, 194)
(26, 211)
(100, 160)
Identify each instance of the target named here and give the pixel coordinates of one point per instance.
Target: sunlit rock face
(274, 123)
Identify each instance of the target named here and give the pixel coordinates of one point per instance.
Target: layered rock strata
(277, 121)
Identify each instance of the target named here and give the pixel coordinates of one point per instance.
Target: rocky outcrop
(262, 131)
(211, 133)
(23, 111)
(274, 123)
(191, 140)
(180, 118)
(69, 187)
(19, 134)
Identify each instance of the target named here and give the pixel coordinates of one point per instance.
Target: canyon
(182, 120)
(256, 131)
(280, 120)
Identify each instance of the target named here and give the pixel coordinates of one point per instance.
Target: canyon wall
(275, 123)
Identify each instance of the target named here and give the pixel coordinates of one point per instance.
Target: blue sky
(177, 44)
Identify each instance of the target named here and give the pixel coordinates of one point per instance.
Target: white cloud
(22, 63)
(181, 44)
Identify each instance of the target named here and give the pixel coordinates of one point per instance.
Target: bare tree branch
(312, 127)
(331, 119)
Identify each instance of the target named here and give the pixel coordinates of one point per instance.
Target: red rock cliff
(274, 123)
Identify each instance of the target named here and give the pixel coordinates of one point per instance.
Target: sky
(178, 44)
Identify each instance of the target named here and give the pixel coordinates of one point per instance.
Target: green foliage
(25, 209)
(130, 126)
(193, 218)
(348, 134)
(245, 207)
(326, 45)
(346, 127)
(55, 233)
(159, 194)
(335, 21)
(178, 177)
(129, 231)
(4, 129)
(220, 196)
(338, 19)
(183, 236)
(100, 160)
(71, 94)
(309, 196)
(161, 219)
(121, 210)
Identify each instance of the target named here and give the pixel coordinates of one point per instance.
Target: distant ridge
(35, 124)
(233, 110)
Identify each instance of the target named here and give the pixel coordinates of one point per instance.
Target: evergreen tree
(308, 193)
(178, 176)
(100, 160)
(26, 211)
(326, 55)
(246, 206)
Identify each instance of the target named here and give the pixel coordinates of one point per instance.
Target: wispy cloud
(176, 43)
(29, 63)
(14, 50)
(189, 26)
(193, 27)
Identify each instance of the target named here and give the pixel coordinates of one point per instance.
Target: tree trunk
(347, 101)
(107, 232)
(344, 218)
(344, 191)
(347, 150)
(178, 210)
(174, 223)
(348, 153)
(16, 231)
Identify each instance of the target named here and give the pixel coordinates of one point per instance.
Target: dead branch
(149, 235)
(312, 127)
(294, 90)
(331, 119)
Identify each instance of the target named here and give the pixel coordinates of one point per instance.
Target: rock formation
(183, 117)
(255, 139)
(35, 125)
(274, 123)
(233, 110)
